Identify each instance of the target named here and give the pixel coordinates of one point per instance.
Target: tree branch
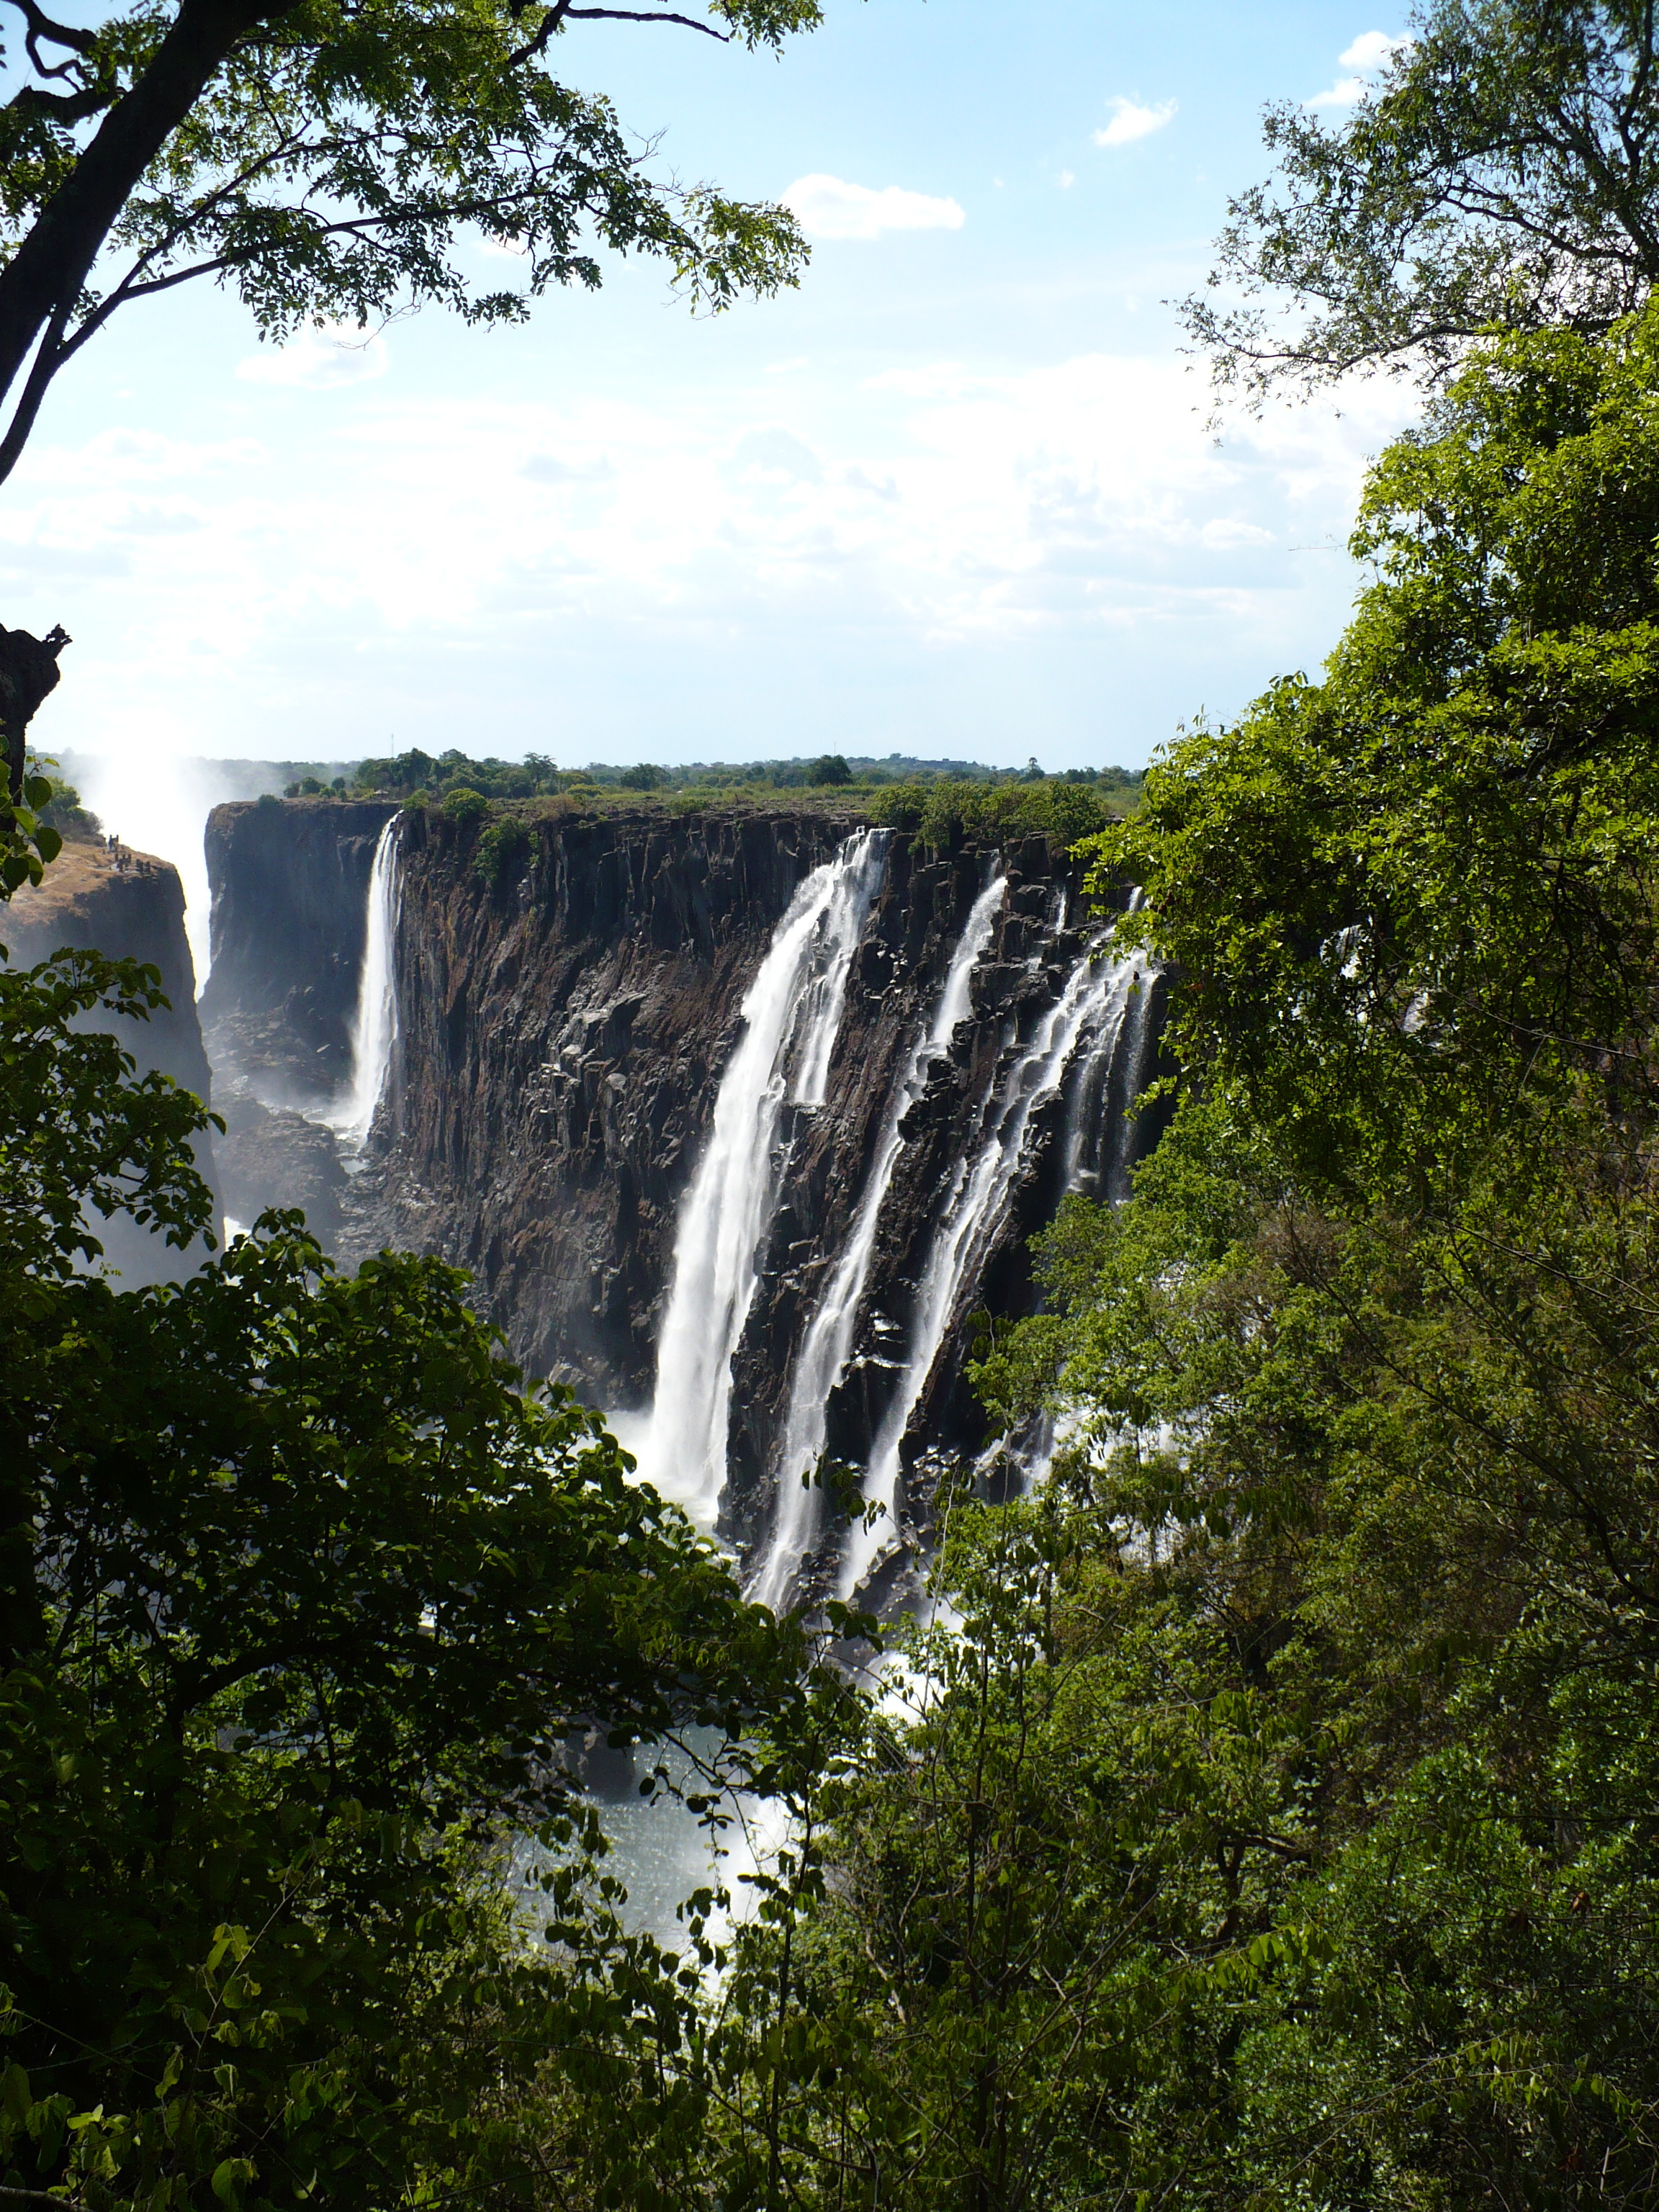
(41, 26)
(564, 12)
(645, 15)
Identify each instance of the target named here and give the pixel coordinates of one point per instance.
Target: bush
(829, 768)
(942, 814)
(465, 804)
(501, 844)
(645, 777)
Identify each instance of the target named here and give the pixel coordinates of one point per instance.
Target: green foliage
(942, 814)
(29, 844)
(501, 847)
(1404, 898)
(1501, 177)
(303, 1598)
(646, 777)
(830, 769)
(463, 805)
(402, 776)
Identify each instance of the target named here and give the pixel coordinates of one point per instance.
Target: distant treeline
(415, 776)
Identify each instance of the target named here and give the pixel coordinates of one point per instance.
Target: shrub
(501, 844)
(941, 814)
(465, 804)
(645, 777)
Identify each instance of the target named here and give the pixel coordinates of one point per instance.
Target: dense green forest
(1267, 1815)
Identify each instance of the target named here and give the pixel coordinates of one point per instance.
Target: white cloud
(488, 565)
(1130, 121)
(1370, 51)
(828, 207)
(318, 359)
(1066, 180)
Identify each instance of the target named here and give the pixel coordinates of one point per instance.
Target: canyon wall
(136, 912)
(568, 999)
(289, 882)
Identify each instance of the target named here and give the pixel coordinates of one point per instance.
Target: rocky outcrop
(135, 911)
(289, 882)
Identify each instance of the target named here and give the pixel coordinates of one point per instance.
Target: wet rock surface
(274, 1157)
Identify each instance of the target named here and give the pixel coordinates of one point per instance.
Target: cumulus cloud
(829, 207)
(1130, 121)
(318, 359)
(1370, 51)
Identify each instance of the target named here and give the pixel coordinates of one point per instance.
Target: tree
(1502, 175)
(304, 1601)
(328, 160)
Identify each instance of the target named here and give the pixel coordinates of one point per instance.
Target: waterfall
(823, 1353)
(375, 1029)
(974, 1212)
(792, 1016)
(1111, 1073)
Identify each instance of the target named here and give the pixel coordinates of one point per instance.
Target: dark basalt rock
(290, 890)
(562, 1033)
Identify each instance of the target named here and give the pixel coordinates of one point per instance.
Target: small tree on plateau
(339, 159)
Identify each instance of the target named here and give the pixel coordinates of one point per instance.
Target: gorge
(736, 1117)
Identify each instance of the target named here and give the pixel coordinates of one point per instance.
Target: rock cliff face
(567, 1006)
(562, 1036)
(289, 881)
(136, 912)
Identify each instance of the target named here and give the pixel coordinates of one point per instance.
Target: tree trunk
(28, 669)
(44, 276)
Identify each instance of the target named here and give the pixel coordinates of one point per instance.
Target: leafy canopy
(340, 160)
(1501, 176)
(305, 1604)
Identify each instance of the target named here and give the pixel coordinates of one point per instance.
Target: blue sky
(954, 496)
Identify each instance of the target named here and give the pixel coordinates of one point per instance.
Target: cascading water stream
(1111, 1055)
(792, 1016)
(823, 1354)
(374, 1030)
(973, 1215)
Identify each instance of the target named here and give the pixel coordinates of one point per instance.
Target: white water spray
(974, 1214)
(829, 1340)
(792, 1016)
(374, 1032)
